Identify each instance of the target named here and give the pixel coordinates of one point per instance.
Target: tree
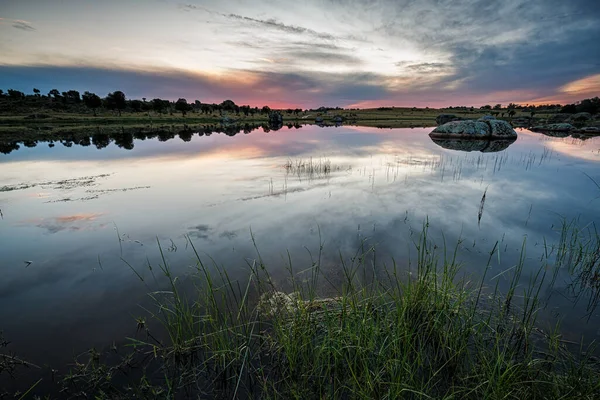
(136, 105)
(15, 94)
(265, 110)
(511, 112)
(229, 105)
(116, 101)
(206, 108)
(498, 107)
(569, 109)
(73, 96)
(159, 105)
(182, 106)
(36, 92)
(92, 100)
(1, 93)
(245, 110)
(591, 106)
(54, 93)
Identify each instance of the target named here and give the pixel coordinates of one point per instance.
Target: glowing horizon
(322, 53)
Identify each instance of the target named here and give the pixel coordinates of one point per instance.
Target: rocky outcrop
(462, 129)
(562, 127)
(501, 129)
(445, 118)
(274, 303)
(338, 119)
(469, 129)
(278, 303)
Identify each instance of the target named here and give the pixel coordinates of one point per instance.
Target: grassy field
(367, 117)
(17, 130)
(429, 332)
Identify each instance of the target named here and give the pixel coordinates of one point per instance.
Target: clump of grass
(429, 334)
(578, 252)
(311, 169)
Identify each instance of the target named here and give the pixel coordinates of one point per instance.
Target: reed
(430, 334)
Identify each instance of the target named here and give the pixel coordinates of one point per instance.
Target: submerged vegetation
(424, 331)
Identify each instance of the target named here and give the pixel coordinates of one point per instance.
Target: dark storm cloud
(528, 66)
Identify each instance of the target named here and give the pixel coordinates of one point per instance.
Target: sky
(307, 53)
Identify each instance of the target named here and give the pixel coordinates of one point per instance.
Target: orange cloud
(581, 87)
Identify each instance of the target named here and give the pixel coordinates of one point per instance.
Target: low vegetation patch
(428, 334)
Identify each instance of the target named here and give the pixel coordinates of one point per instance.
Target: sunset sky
(307, 53)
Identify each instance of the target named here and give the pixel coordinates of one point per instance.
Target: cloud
(426, 67)
(19, 24)
(274, 24)
(271, 23)
(343, 52)
(322, 57)
(281, 89)
(588, 85)
(23, 25)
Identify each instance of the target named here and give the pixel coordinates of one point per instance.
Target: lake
(78, 220)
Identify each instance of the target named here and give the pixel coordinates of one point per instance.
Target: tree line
(117, 102)
(591, 106)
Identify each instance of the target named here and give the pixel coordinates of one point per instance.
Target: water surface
(72, 214)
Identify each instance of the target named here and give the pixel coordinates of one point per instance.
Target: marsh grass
(312, 168)
(426, 333)
(578, 252)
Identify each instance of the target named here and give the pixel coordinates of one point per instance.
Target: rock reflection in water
(484, 146)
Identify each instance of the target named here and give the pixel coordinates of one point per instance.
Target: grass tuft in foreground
(427, 335)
